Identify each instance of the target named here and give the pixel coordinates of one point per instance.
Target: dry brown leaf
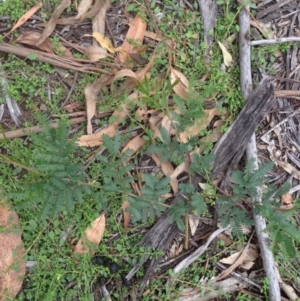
(140, 60)
(289, 168)
(135, 35)
(12, 265)
(103, 41)
(142, 114)
(95, 53)
(118, 116)
(134, 144)
(199, 126)
(92, 234)
(286, 199)
(99, 19)
(91, 92)
(83, 7)
(182, 86)
(173, 177)
(141, 73)
(123, 110)
(225, 238)
(227, 58)
(194, 223)
(152, 35)
(169, 125)
(50, 26)
(31, 37)
(248, 260)
(96, 138)
(26, 16)
(123, 73)
(126, 216)
(167, 168)
(264, 29)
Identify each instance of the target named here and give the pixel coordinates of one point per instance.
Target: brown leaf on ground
(134, 144)
(227, 241)
(99, 18)
(199, 125)
(152, 35)
(166, 167)
(126, 215)
(26, 16)
(194, 223)
(50, 26)
(248, 260)
(135, 35)
(83, 7)
(227, 58)
(178, 170)
(96, 138)
(289, 168)
(123, 73)
(118, 116)
(286, 199)
(12, 265)
(91, 93)
(92, 234)
(182, 84)
(95, 53)
(31, 37)
(103, 41)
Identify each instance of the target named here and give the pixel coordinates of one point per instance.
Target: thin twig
(71, 90)
(275, 41)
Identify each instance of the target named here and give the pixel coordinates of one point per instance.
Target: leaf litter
(132, 45)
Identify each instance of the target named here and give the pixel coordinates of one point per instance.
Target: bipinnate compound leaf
(12, 265)
(92, 235)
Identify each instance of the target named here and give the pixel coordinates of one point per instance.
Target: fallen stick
(34, 129)
(251, 153)
(275, 41)
(52, 59)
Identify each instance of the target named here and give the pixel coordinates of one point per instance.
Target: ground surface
(154, 79)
